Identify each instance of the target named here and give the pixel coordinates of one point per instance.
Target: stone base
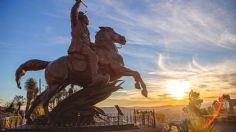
(34, 128)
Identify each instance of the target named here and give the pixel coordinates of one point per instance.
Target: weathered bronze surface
(76, 69)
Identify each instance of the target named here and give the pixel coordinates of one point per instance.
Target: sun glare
(177, 88)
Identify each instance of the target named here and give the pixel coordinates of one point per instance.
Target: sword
(82, 3)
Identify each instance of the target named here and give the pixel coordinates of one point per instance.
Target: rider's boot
(93, 63)
(93, 67)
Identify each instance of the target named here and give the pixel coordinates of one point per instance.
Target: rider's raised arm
(74, 13)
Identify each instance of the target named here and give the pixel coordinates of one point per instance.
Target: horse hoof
(137, 86)
(144, 93)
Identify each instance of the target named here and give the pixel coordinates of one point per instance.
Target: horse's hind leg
(35, 103)
(51, 91)
(57, 88)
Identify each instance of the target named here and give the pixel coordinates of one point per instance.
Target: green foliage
(196, 122)
(58, 98)
(199, 124)
(194, 105)
(30, 84)
(31, 88)
(38, 111)
(226, 97)
(210, 110)
(15, 105)
(161, 117)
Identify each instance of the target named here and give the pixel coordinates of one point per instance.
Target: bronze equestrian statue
(58, 72)
(75, 68)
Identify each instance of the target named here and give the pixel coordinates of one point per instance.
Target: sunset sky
(176, 45)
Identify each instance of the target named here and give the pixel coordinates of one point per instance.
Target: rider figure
(80, 43)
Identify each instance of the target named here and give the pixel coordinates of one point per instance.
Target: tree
(226, 97)
(19, 101)
(196, 122)
(32, 90)
(10, 107)
(194, 105)
(161, 117)
(15, 105)
(56, 99)
(210, 110)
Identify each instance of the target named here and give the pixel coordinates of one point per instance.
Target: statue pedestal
(38, 128)
(81, 102)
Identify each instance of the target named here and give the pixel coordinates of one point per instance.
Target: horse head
(106, 36)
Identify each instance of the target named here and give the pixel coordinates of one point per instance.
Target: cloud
(212, 76)
(54, 15)
(213, 97)
(171, 23)
(48, 29)
(163, 95)
(202, 86)
(209, 90)
(171, 40)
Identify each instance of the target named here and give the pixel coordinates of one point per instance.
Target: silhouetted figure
(80, 43)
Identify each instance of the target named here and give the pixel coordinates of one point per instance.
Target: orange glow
(217, 112)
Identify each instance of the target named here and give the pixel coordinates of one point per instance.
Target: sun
(177, 88)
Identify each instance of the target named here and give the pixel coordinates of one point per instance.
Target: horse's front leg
(139, 81)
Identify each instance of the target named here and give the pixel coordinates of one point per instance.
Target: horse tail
(30, 65)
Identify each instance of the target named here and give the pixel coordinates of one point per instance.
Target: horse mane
(99, 36)
(101, 42)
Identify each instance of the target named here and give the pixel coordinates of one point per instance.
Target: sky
(176, 45)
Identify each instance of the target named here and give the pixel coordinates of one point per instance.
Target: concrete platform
(73, 129)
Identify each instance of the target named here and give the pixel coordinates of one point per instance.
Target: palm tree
(32, 90)
(56, 99)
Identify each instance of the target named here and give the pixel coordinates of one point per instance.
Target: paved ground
(226, 127)
(141, 130)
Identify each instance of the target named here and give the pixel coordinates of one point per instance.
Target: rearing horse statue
(63, 71)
